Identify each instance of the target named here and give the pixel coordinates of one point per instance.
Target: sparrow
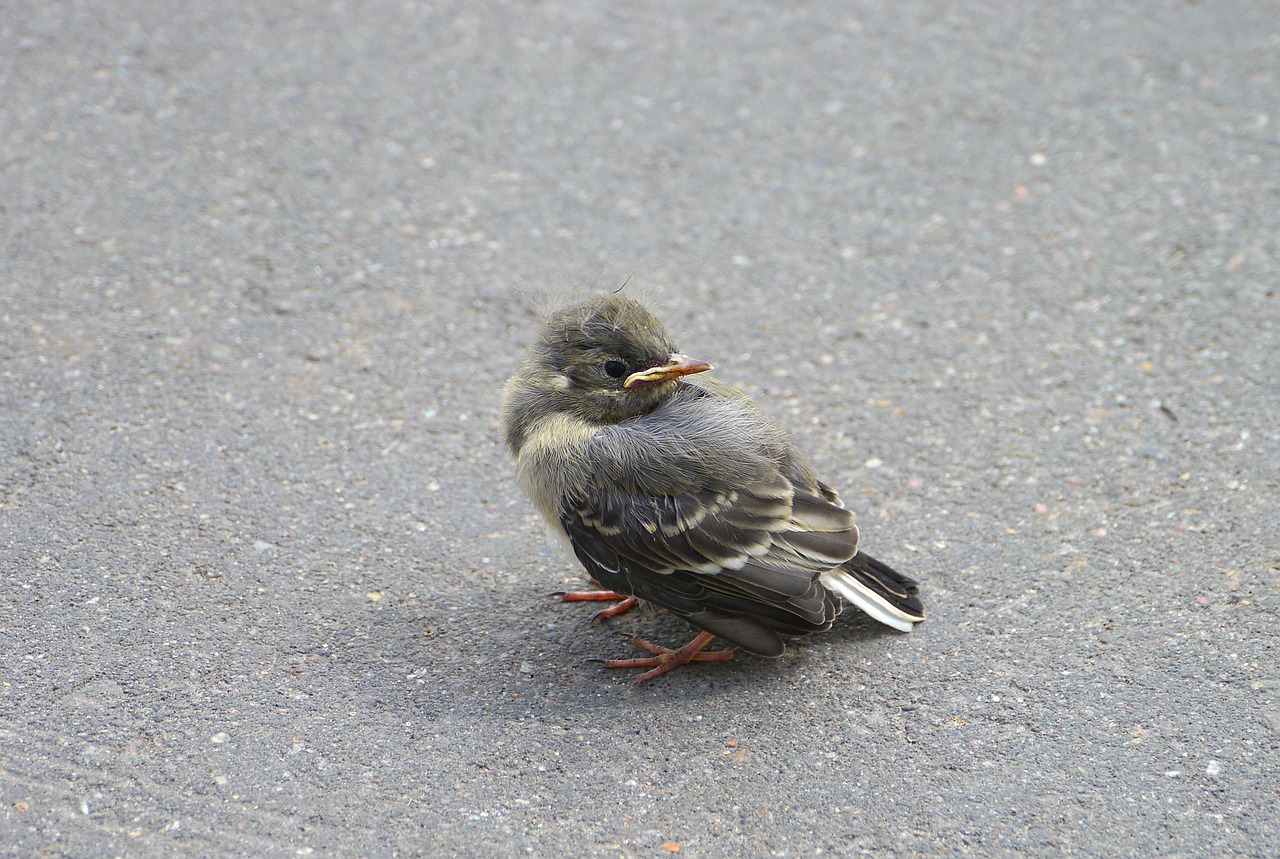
(677, 490)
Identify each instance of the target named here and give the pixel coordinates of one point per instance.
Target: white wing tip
(876, 606)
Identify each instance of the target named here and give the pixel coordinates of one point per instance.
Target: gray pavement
(1008, 271)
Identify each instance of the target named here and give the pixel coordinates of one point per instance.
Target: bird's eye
(615, 368)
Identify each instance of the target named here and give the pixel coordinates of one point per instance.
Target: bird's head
(603, 360)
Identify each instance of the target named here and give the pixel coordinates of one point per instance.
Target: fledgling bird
(683, 493)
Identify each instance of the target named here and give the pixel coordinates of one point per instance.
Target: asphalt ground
(1008, 271)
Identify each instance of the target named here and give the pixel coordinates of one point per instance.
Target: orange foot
(664, 658)
(584, 596)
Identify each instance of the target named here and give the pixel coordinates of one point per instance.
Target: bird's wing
(742, 563)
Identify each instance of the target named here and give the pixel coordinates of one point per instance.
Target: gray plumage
(684, 493)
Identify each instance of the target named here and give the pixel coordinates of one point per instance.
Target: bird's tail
(879, 590)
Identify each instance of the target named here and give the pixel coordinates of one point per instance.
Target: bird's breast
(552, 464)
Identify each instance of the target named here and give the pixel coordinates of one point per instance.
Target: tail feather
(879, 590)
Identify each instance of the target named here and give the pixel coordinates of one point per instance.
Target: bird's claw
(626, 605)
(664, 658)
(626, 602)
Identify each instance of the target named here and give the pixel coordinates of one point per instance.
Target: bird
(677, 490)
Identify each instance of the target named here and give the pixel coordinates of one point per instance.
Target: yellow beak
(677, 365)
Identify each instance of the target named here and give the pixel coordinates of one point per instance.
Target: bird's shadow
(513, 653)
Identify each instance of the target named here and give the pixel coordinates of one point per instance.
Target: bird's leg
(664, 658)
(626, 604)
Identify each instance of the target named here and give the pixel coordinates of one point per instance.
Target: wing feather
(706, 509)
(742, 564)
